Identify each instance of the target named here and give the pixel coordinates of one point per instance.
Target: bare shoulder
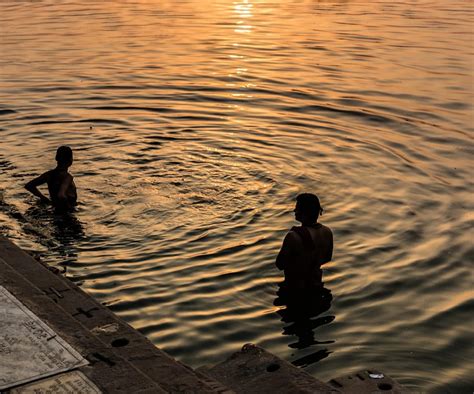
(63, 176)
(293, 239)
(326, 230)
(290, 236)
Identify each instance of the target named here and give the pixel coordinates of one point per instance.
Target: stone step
(121, 359)
(109, 372)
(254, 370)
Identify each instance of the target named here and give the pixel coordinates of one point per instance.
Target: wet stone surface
(29, 348)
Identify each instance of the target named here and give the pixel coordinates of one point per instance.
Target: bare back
(61, 184)
(305, 249)
(323, 241)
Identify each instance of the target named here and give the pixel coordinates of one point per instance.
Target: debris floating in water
(376, 375)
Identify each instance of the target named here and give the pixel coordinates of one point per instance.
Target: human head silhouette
(64, 156)
(308, 208)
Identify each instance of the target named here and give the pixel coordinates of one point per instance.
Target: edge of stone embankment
(120, 358)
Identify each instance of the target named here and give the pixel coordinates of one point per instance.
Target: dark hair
(309, 204)
(64, 154)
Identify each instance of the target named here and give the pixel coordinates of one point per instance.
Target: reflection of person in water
(60, 232)
(300, 314)
(304, 250)
(61, 187)
(305, 247)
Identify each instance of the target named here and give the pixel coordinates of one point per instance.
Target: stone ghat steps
(122, 360)
(254, 370)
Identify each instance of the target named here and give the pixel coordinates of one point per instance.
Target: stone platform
(55, 338)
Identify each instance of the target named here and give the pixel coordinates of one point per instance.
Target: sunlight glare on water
(196, 123)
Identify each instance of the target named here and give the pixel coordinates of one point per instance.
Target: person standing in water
(305, 248)
(61, 187)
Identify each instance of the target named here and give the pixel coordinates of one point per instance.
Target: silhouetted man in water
(305, 248)
(62, 190)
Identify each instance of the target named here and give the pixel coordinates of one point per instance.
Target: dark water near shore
(196, 123)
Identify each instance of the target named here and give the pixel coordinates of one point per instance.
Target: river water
(196, 123)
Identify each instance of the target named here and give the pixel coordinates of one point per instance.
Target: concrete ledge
(254, 370)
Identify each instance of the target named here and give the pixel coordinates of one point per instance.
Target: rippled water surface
(196, 123)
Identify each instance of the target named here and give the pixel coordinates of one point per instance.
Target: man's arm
(32, 187)
(330, 245)
(286, 251)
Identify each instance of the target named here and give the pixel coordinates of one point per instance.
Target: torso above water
(56, 178)
(313, 247)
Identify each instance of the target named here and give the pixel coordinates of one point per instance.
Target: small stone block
(254, 370)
